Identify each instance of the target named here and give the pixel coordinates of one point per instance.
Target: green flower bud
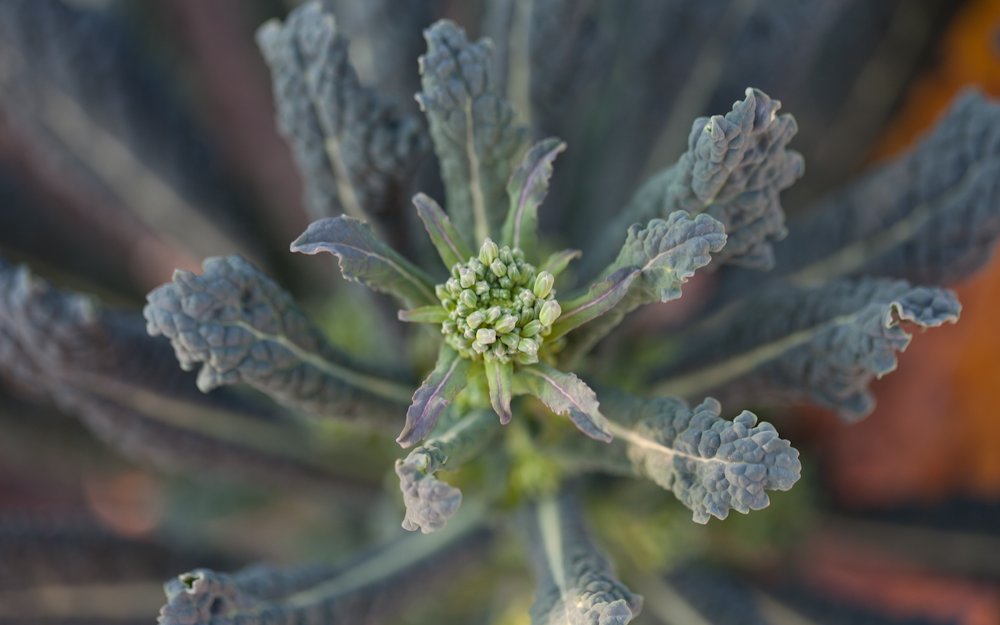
(468, 298)
(510, 340)
(498, 307)
(550, 312)
(531, 328)
(486, 335)
(475, 319)
(488, 253)
(506, 324)
(513, 273)
(466, 277)
(543, 284)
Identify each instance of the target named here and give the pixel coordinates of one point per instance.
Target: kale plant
(539, 391)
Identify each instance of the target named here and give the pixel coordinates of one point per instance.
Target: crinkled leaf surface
(734, 169)
(429, 502)
(441, 387)
(527, 189)
(822, 344)
(101, 366)
(711, 464)
(576, 585)
(472, 128)
(566, 394)
(651, 267)
(931, 216)
(356, 153)
(366, 588)
(366, 259)
(239, 326)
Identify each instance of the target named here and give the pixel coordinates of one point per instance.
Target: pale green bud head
(499, 307)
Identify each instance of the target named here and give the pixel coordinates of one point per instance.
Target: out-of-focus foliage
(520, 426)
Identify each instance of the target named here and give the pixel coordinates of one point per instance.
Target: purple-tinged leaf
(598, 300)
(447, 240)
(661, 257)
(566, 394)
(366, 259)
(429, 502)
(527, 189)
(499, 378)
(442, 385)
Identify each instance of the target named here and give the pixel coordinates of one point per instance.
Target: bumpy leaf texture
(734, 169)
(576, 585)
(822, 345)
(239, 326)
(653, 264)
(711, 464)
(429, 502)
(931, 216)
(102, 367)
(367, 588)
(472, 128)
(356, 152)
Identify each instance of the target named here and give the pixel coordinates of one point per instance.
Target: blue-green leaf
(356, 152)
(576, 585)
(712, 465)
(448, 242)
(437, 392)
(240, 327)
(527, 189)
(429, 502)
(566, 394)
(734, 169)
(472, 128)
(366, 259)
(823, 345)
(499, 378)
(653, 264)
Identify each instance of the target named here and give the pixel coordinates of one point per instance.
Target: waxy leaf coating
(240, 327)
(711, 464)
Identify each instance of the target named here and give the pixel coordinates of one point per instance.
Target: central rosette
(499, 307)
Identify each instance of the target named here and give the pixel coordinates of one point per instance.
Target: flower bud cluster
(498, 307)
